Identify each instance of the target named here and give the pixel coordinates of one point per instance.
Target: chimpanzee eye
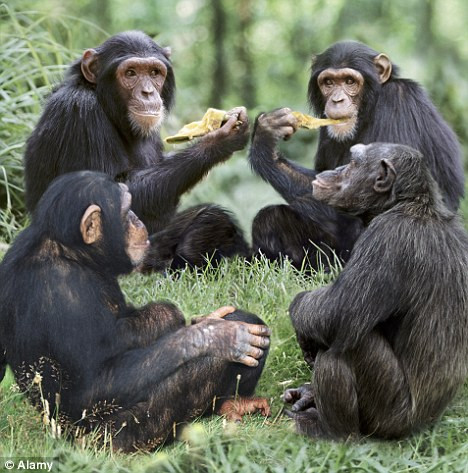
(328, 82)
(154, 73)
(350, 81)
(130, 73)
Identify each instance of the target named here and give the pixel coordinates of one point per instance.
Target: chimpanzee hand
(233, 340)
(233, 135)
(301, 398)
(276, 125)
(308, 350)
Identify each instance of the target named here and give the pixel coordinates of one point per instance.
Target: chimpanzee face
(342, 90)
(363, 185)
(136, 235)
(140, 83)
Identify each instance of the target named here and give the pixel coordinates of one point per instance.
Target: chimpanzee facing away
(389, 338)
(136, 372)
(105, 116)
(352, 81)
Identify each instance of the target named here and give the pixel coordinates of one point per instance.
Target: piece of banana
(311, 123)
(214, 118)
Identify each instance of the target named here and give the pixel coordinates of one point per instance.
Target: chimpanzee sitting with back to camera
(105, 116)
(389, 338)
(348, 81)
(134, 373)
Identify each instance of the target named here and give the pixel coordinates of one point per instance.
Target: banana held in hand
(311, 123)
(212, 120)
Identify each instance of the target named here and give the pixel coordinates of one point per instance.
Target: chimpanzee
(389, 338)
(105, 116)
(351, 81)
(99, 362)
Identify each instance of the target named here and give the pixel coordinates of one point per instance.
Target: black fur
(84, 126)
(397, 111)
(389, 338)
(104, 363)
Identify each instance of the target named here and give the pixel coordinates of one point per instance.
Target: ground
(258, 444)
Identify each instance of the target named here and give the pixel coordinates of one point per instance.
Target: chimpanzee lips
(140, 245)
(317, 182)
(145, 113)
(145, 121)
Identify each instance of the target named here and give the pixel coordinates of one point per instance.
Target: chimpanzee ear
(167, 51)
(91, 224)
(89, 63)
(384, 67)
(385, 177)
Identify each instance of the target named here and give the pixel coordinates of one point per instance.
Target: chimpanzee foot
(234, 409)
(307, 422)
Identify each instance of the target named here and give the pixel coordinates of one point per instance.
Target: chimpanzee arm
(159, 187)
(141, 327)
(289, 179)
(367, 292)
(130, 375)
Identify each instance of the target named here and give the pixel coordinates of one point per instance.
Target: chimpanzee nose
(147, 93)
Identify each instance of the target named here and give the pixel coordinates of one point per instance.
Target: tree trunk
(248, 90)
(219, 76)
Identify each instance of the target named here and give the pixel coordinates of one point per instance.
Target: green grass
(258, 444)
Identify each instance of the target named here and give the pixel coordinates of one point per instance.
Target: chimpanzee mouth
(146, 113)
(317, 182)
(140, 246)
(146, 122)
(343, 131)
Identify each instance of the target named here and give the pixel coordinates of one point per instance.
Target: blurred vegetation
(255, 53)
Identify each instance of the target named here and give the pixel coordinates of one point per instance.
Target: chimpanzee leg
(241, 379)
(280, 230)
(193, 390)
(363, 391)
(198, 233)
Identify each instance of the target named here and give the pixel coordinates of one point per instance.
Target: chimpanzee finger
(287, 132)
(278, 112)
(239, 112)
(261, 342)
(301, 404)
(254, 352)
(255, 329)
(248, 361)
(228, 125)
(291, 395)
(242, 116)
(222, 312)
(290, 414)
(262, 405)
(217, 314)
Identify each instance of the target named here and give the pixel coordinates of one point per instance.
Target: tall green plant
(33, 55)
